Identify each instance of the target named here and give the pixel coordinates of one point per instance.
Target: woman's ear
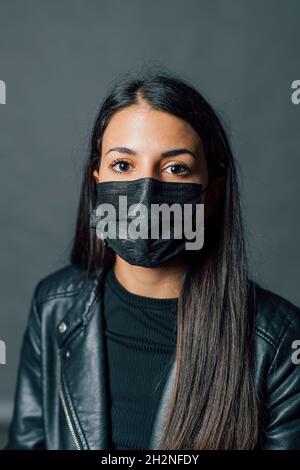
(213, 195)
(96, 176)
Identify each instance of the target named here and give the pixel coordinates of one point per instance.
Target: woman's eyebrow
(168, 153)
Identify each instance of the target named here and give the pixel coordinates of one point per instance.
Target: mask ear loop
(207, 186)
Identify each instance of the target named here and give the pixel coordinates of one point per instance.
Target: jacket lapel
(84, 369)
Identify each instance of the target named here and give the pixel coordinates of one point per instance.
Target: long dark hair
(214, 403)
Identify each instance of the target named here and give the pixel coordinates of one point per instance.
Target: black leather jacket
(61, 399)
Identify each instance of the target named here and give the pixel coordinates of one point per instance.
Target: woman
(142, 343)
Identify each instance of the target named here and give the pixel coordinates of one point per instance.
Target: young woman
(141, 343)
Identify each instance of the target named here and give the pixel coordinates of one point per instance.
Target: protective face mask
(148, 222)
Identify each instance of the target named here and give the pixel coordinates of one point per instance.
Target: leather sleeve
(26, 429)
(283, 401)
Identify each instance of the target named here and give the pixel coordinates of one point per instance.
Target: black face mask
(147, 252)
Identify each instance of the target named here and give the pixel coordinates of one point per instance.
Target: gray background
(58, 58)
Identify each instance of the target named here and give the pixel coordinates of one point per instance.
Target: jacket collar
(81, 309)
(84, 368)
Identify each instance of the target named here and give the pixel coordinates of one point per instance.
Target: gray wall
(57, 59)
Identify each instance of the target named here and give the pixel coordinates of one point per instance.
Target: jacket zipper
(69, 421)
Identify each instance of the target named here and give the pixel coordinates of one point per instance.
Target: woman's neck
(161, 283)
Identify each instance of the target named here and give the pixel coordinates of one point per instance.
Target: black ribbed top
(141, 341)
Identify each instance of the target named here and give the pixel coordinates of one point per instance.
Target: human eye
(178, 169)
(119, 165)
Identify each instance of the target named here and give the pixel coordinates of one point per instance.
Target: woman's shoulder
(67, 280)
(276, 316)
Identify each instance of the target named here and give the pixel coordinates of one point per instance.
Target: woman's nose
(150, 169)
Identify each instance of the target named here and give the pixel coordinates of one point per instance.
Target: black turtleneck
(141, 341)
